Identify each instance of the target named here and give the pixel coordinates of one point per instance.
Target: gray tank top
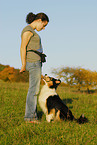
(34, 43)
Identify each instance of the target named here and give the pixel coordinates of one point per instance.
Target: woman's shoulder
(27, 28)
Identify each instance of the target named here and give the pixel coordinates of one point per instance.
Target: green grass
(14, 131)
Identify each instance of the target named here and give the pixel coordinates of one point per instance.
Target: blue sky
(70, 39)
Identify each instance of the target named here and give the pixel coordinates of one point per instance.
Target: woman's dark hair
(31, 17)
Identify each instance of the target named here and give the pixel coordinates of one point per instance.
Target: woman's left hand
(23, 68)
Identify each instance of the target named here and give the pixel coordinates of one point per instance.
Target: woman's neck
(33, 25)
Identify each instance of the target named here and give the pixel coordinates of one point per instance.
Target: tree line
(11, 74)
(78, 77)
(72, 77)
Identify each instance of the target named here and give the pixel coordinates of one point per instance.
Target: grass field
(14, 131)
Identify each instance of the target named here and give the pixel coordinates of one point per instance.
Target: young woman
(31, 61)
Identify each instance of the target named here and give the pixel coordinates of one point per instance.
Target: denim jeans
(34, 69)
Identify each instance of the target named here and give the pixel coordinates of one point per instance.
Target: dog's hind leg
(57, 116)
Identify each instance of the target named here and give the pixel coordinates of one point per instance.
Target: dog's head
(51, 82)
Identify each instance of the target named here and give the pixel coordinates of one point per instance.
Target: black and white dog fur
(51, 104)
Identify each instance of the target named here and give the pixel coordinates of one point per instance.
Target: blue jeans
(34, 69)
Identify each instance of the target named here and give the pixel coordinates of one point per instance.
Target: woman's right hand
(23, 68)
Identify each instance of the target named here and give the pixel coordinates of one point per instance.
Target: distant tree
(66, 74)
(78, 77)
(13, 75)
(21, 77)
(7, 73)
(83, 78)
(94, 77)
(89, 79)
(3, 66)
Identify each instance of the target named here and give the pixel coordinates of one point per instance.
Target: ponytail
(31, 17)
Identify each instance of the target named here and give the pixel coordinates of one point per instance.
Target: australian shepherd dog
(52, 105)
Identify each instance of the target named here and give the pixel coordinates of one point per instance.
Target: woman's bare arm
(25, 39)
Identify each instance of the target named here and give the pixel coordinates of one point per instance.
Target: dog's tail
(82, 119)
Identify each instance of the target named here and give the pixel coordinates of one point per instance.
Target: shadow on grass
(86, 91)
(89, 91)
(40, 114)
(69, 101)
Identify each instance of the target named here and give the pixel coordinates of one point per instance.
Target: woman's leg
(34, 69)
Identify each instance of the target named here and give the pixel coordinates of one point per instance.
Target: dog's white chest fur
(44, 94)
